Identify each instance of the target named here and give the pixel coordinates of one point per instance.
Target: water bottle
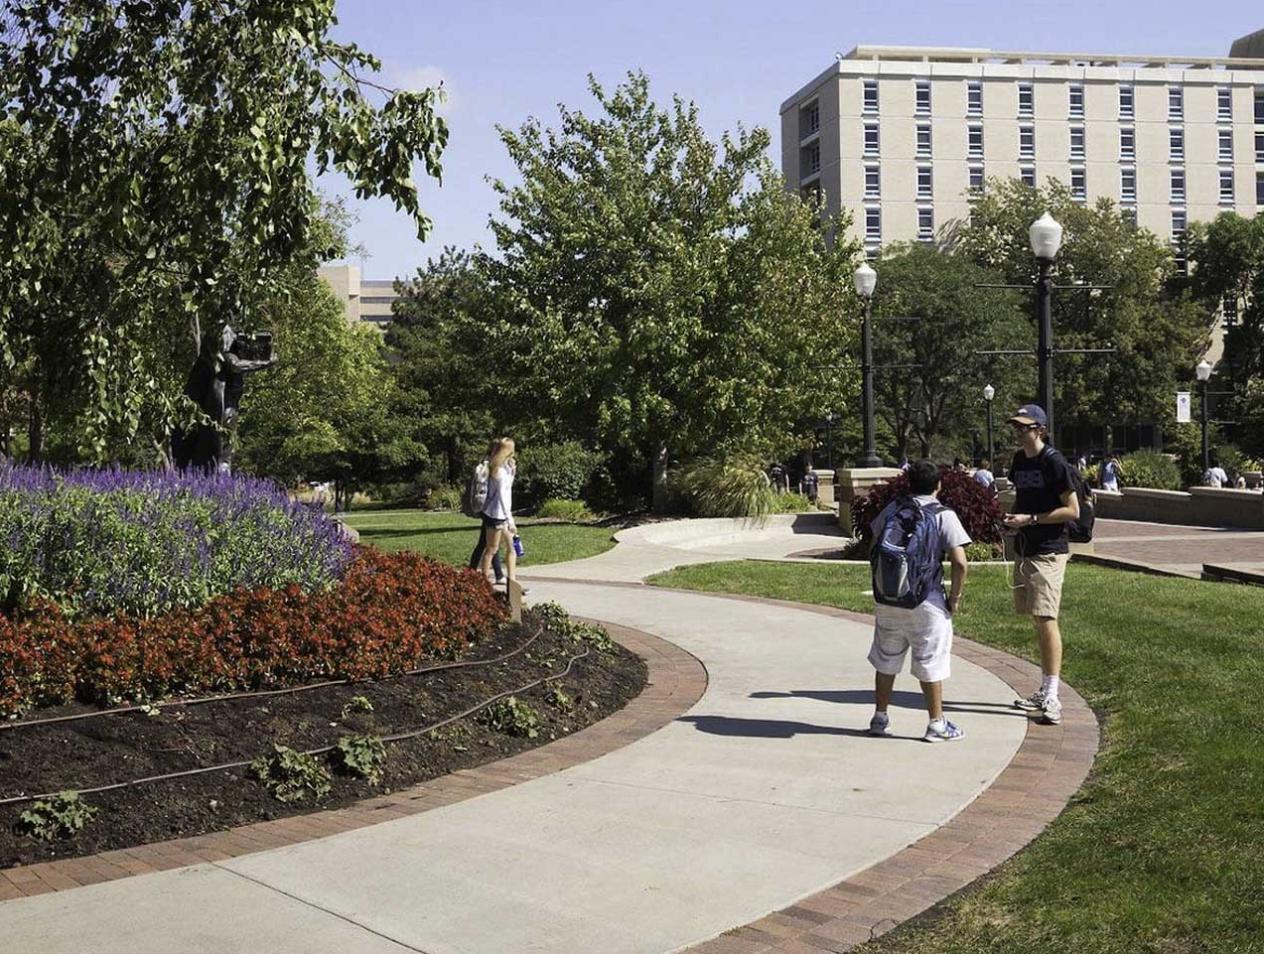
(519, 549)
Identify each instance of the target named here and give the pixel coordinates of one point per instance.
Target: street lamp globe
(1046, 237)
(989, 392)
(1203, 371)
(866, 280)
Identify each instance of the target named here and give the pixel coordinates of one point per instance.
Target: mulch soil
(114, 748)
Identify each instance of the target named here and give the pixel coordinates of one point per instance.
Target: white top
(1215, 477)
(951, 534)
(499, 503)
(984, 476)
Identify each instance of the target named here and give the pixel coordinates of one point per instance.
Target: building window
(1026, 99)
(1229, 306)
(1026, 142)
(1125, 102)
(1079, 186)
(974, 97)
(1027, 174)
(925, 182)
(1127, 142)
(926, 224)
(1175, 103)
(873, 225)
(1259, 147)
(976, 178)
(1176, 144)
(922, 94)
(1076, 105)
(1226, 187)
(1128, 185)
(1178, 185)
(1224, 103)
(1259, 105)
(809, 119)
(974, 142)
(1225, 143)
(1077, 142)
(871, 139)
(1259, 190)
(923, 139)
(810, 160)
(1178, 240)
(871, 95)
(873, 182)
(812, 194)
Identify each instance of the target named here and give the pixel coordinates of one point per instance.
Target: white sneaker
(1033, 703)
(880, 724)
(1051, 711)
(942, 731)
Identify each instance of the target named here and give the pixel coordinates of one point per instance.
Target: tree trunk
(659, 498)
(35, 429)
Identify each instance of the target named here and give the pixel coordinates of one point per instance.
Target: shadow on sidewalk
(902, 699)
(764, 728)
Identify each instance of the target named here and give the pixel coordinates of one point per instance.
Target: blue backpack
(906, 560)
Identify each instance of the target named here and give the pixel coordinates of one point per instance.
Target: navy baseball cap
(1031, 414)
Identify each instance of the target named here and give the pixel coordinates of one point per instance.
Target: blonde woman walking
(498, 522)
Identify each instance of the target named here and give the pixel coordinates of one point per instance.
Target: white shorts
(925, 629)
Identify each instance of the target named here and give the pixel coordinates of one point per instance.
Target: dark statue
(215, 385)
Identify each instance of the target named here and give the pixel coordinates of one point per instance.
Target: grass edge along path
(1162, 850)
(450, 537)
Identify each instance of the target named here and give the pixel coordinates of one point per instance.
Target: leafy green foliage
(553, 616)
(731, 487)
(573, 511)
(663, 291)
(560, 700)
(444, 498)
(155, 182)
(357, 704)
(1147, 468)
(513, 717)
(554, 471)
(59, 817)
(360, 755)
(291, 776)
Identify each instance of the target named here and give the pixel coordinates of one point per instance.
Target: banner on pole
(1182, 407)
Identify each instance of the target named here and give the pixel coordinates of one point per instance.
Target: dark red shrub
(389, 614)
(977, 506)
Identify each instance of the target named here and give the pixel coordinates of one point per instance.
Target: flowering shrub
(389, 614)
(96, 542)
(977, 506)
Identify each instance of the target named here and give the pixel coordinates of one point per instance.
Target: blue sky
(503, 61)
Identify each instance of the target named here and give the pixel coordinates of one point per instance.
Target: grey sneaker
(880, 724)
(1033, 703)
(943, 731)
(1051, 712)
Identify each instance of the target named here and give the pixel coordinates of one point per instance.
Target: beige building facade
(902, 137)
(362, 300)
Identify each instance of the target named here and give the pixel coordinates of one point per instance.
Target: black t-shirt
(1039, 483)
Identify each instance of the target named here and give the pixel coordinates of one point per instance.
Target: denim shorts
(491, 523)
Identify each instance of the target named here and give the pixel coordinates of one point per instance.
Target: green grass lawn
(451, 537)
(1163, 849)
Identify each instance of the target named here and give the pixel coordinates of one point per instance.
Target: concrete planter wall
(1197, 507)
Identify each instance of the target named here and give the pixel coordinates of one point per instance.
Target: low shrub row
(390, 613)
(978, 507)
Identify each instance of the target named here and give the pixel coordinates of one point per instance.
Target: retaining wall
(1197, 507)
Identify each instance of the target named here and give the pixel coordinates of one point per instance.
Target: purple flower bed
(144, 542)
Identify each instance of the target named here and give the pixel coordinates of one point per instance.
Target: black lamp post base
(871, 461)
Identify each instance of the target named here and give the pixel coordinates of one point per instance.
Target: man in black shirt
(1045, 500)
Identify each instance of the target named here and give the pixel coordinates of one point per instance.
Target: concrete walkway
(1179, 549)
(765, 792)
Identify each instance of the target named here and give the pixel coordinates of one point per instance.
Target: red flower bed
(391, 612)
(977, 506)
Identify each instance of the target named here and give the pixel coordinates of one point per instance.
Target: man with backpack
(911, 538)
(1048, 493)
(472, 502)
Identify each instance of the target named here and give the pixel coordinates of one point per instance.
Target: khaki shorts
(1038, 584)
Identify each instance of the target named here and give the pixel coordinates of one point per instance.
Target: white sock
(1050, 686)
(937, 723)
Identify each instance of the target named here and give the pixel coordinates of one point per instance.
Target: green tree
(937, 403)
(666, 295)
(1158, 332)
(155, 182)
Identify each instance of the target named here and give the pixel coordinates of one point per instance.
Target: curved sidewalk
(766, 793)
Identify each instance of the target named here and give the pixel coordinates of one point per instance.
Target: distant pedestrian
(1214, 476)
(499, 528)
(1239, 482)
(1111, 471)
(1045, 499)
(1081, 462)
(472, 506)
(780, 482)
(911, 538)
(904, 463)
(810, 485)
(959, 465)
(984, 474)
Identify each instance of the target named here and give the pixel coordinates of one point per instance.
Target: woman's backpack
(475, 495)
(906, 562)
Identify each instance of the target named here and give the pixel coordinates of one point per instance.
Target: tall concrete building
(362, 299)
(903, 136)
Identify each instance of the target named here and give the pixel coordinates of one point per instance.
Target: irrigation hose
(399, 737)
(197, 701)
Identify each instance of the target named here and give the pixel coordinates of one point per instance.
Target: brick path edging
(676, 682)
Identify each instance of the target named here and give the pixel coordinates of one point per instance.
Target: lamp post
(989, 392)
(1203, 371)
(866, 279)
(1046, 238)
